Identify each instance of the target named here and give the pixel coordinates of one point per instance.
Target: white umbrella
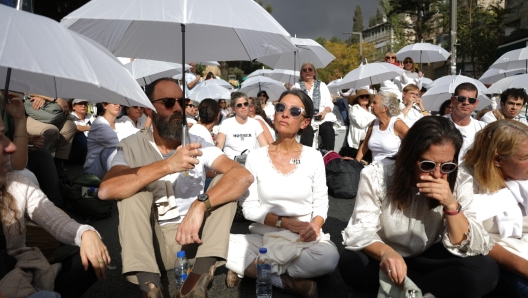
(333, 86)
(254, 85)
(212, 63)
(493, 75)
(202, 92)
(426, 82)
(146, 71)
(284, 75)
(65, 64)
(457, 80)
(217, 82)
(370, 74)
(437, 95)
(260, 72)
(423, 53)
(520, 81)
(513, 60)
(308, 50)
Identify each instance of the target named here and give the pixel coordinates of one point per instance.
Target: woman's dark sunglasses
(307, 69)
(429, 166)
(364, 96)
(460, 98)
(190, 105)
(391, 57)
(239, 105)
(169, 102)
(295, 112)
(408, 62)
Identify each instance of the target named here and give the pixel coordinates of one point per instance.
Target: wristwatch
(278, 224)
(453, 212)
(205, 198)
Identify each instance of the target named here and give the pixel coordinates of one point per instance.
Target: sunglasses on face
(169, 102)
(364, 96)
(307, 69)
(408, 62)
(136, 107)
(295, 112)
(82, 104)
(460, 98)
(222, 102)
(429, 166)
(190, 105)
(391, 57)
(239, 105)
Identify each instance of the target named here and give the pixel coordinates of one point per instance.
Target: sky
(315, 18)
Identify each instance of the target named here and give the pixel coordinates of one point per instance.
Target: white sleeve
(119, 159)
(258, 128)
(488, 117)
(320, 190)
(359, 118)
(250, 201)
(326, 98)
(224, 127)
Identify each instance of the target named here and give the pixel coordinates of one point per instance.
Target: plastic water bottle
(90, 192)
(264, 289)
(181, 269)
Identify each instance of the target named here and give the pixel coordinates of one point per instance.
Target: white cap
(78, 100)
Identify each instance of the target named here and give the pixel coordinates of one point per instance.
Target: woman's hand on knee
(310, 232)
(393, 264)
(95, 252)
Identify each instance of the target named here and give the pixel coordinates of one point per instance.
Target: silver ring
(389, 272)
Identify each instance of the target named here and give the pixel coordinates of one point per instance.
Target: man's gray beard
(168, 128)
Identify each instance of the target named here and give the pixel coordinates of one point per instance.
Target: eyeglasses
(239, 105)
(136, 107)
(307, 69)
(364, 96)
(429, 166)
(84, 103)
(408, 62)
(460, 98)
(391, 57)
(222, 102)
(295, 112)
(169, 102)
(190, 105)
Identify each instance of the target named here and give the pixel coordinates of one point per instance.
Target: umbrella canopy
(260, 72)
(212, 63)
(66, 65)
(284, 75)
(513, 60)
(333, 86)
(457, 80)
(152, 29)
(254, 85)
(435, 97)
(493, 75)
(423, 53)
(370, 74)
(520, 81)
(426, 82)
(146, 71)
(202, 92)
(217, 82)
(308, 50)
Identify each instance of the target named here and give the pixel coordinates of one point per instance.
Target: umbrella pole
(184, 120)
(294, 64)
(4, 111)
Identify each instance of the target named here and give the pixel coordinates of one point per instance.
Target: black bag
(84, 202)
(342, 178)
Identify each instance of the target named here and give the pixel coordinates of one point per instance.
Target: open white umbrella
(254, 85)
(423, 53)
(260, 72)
(333, 86)
(202, 92)
(284, 75)
(64, 64)
(426, 82)
(217, 82)
(146, 71)
(211, 63)
(457, 80)
(370, 74)
(520, 81)
(434, 97)
(513, 60)
(494, 75)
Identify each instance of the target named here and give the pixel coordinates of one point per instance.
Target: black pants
(436, 271)
(326, 131)
(73, 280)
(41, 163)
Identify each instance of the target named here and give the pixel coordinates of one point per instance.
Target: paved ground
(115, 286)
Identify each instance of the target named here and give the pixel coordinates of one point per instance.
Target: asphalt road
(115, 286)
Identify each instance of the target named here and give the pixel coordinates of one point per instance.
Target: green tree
(321, 40)
(395, 21)
(372, 21)
(347, 59)
(268, 7)
(418, 18)
(357, 26)
(379, 15)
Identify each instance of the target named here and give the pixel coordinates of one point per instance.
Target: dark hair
(444, 106)
(149, 89)
(306, 100)
(265, 94)
(208, 110)
(209, 75)
(466, 87)
(514, 93)
(100, 108)
(236, 95)
(432, 130)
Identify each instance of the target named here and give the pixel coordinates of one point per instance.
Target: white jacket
(359, 120)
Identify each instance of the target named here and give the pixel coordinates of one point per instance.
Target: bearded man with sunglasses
(162, 205)
(464, 102)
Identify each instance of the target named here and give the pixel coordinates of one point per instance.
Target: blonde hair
(9, 210)
(501, 137)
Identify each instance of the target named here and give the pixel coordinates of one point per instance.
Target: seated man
(511, 103)
(156, 221)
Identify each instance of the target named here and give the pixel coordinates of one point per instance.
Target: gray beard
(168, 128)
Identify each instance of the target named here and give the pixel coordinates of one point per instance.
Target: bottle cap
(263, 250)
(92, 188)
(181, 254)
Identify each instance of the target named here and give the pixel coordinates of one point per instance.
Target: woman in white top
(386, 132)
(21, 200)
(415, 219)
(323, 119)
(393, 84)
(103, 139)
(498, 161)
(256, 112)
(288, 203)
(134, 118)
(411, 75)
(359, 117)
(224, 110)
(241, 132)
(208, 115)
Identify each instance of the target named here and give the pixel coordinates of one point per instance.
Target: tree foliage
(268, 6)
(417, 18)
(357, 26)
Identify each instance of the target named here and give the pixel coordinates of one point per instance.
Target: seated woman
(21, 199)
(385, 133)
(82, 120)
(289, 216)
(413, 219)
(256, 112)
(241, 132)
(359, 116)
(134, 118)
(498, 161)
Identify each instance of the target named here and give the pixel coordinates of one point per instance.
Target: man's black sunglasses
(169, 102)
(460, 98)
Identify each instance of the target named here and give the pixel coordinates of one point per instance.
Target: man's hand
(198, 77)
(37, 141)
(15, 108)
(184, 158)
(64, 105)
(38, 102)
(190, 226)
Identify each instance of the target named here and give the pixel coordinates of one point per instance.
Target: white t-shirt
(489, 117)
(88, 120)
(186, 188)
(468, 134)
(384, 143)
(202, 132)
(271, 130)
(413, 115)
(269, 109)
(239, 137)
(190, 120)
(127, 122)
(189, 78)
